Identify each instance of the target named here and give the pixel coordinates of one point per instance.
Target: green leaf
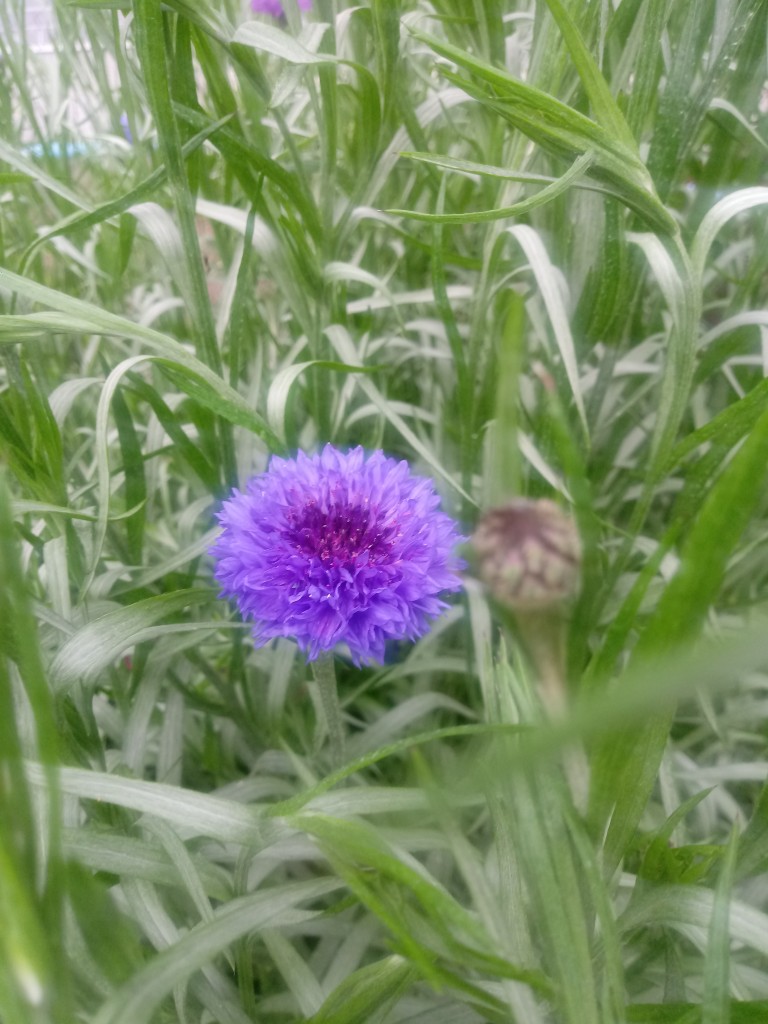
(137, 999)
(659, 845)
(31, 883)
(116, 854)
(625, 770)
(114, 207)
(717, 964)
(388, 886)
(40, 176)
(605, 109)
(150, 39)
(753, 848)
(745, 1012)
(737, 202)
(188, 451)
(272, 40)
(98, 644)
(571, 177)
(341, 341)
(367, 994)
(561, 130)
(135, 481)
(538, 259)
(724, 515)
(283, 380)
(192, 813)
(76, 316)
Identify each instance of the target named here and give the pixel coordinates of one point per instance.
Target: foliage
(516, 242)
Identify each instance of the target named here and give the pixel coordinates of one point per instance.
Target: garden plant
(384, 512)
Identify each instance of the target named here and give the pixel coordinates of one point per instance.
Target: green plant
(516, 243)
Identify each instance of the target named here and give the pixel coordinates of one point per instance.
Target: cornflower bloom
(275, 7)
(337, 547)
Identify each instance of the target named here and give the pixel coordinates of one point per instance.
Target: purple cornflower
(126, 126)
(275, 7)
(337, 548)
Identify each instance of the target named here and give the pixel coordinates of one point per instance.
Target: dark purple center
(339, 534)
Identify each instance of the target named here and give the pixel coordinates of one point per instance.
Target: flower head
(275, 7)
(338, 547)
(529, 555)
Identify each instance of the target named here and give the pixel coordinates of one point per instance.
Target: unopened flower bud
(529, 555)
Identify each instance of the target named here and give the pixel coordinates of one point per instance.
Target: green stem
(325, 677)
(544, 635)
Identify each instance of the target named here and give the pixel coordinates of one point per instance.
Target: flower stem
(325, 677)
(544, 635)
